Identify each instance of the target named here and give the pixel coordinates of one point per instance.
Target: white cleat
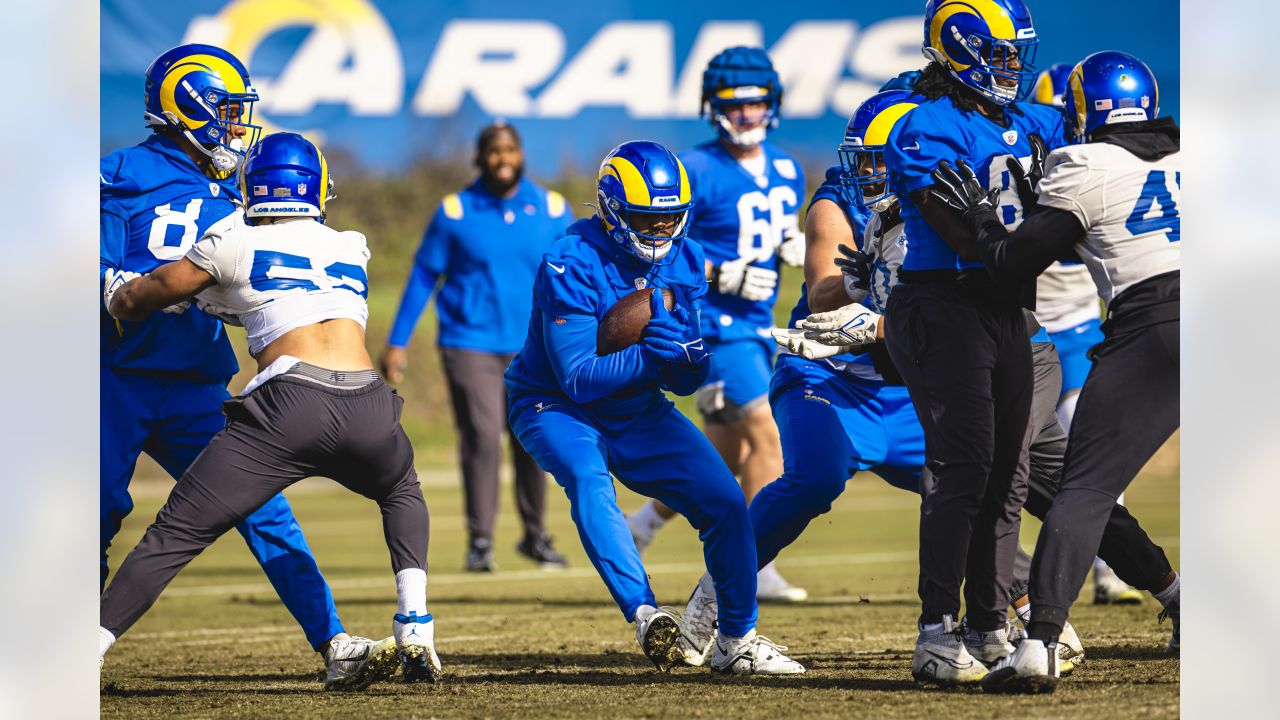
(751, 655)
(942, 659)
(657, 632)
(355, 663)
(698, 624)
(772, 587)
(1070, 650)
(1109, 589)
(1032, 668)
(416, 640)
(987, 648)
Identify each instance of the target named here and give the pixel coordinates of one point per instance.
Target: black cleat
(480, 556)
(541, 551)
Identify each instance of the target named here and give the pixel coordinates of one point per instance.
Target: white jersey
(888, 252)
(1066, 297)
(282, 276)
(1127, 205)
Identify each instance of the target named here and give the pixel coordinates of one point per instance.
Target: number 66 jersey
(284, 275)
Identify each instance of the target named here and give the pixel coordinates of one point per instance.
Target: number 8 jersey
(284, 275)
(740, 214)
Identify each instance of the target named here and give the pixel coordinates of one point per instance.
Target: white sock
(644, 612)
(731, 640)
(1169, 594)
(648, 519)
(931, 629)
(1024, 614)
(411, 592)
(105, 641)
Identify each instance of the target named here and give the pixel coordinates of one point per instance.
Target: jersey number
(1156, 195)
(271, 271)
(758, 236)
(1010, 203)
(185, 222)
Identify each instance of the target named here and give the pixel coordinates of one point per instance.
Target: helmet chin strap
(223, 159)
(883, 203)
(645, 251)
(742, 138)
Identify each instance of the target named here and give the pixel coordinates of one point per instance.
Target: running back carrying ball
(624, 323)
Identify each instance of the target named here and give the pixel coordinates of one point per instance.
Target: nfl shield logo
(1010, 136)
(302, 188)
(1146, 101)
(641, 283)
(215, 189)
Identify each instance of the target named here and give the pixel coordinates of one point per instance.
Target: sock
(729, 639)
(644, 612)
(1044, 632)
(1169, 594)
(647, 517)
(105, 641)
(411, 592)
(931, 629)
(1024, 614)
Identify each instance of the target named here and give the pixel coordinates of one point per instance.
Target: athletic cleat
(657, 637)
(1070, 650)
(541, 551)
(1171, 611)
(987, 648)
(480, 555)
(1032, 668)
(772, 587)
(1015, 633)
(752, 655)
(1109, 589)
(942, 659)
(355, 663)
(698, 624)
(415, 638)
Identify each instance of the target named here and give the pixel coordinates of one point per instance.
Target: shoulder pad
(452, 206)
(555, 204)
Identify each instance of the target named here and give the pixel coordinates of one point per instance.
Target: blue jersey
(936, 130)
(737, 215)
(488, 249)
(579, 279)
(155, 204)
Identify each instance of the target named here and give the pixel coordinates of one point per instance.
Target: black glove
(1026, 182)
(959, 188)
(856, 267)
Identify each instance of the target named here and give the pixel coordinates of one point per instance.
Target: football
(623, 324)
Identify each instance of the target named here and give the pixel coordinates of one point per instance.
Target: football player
(1067, 306)
(316, 406)
(973, 399)
(747, 192)
(1111, 197)
(587, 418)
(164, 376)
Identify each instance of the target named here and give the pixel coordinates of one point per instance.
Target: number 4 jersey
(280, 276)
(741, 213)
(155, 204)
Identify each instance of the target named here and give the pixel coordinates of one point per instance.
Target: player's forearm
(1041, 239)
(417, 293)
(142, 296)
(946, 223)
(583, 375)
(828, 294)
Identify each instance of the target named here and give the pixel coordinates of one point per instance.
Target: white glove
(796, 342)
(113, 280)
(852, 324)
(177, 308)
(792, 248)
(749, 282)
(226, 315)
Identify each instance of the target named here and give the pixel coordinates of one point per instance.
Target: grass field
(551, 644)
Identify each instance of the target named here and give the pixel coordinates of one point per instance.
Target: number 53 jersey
(155, 204)
(276, 277)
(737, 214)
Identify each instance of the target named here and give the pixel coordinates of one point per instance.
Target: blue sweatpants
(1073, 352)
(660, 454)
(832, 425)
(172, 420)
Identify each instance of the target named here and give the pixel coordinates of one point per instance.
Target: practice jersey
(1127, 205)
(155, 204)
(937, 130)
(740, 215)
(1066, 297)
(282, 276)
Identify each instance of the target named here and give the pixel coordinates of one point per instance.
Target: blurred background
(395, 91)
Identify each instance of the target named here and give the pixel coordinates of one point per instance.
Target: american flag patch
(259, 189)
(1103, 104)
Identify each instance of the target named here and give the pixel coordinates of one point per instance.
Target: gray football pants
(480, 413)
(290, 428)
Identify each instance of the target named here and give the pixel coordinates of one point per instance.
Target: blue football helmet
(904, 81)
(1106, 88)
(862, 152)
(978, 40)
(639, 179)
(736, 76)
(204, 93)
(1051, 85)
(285, 175)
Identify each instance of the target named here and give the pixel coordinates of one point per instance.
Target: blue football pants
(659, 454)
(172, 420)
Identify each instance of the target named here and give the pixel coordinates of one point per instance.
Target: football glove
(959, 188)
(748, 282)
(855, 266)
(1027, 181)
(791, 251)
(113, 280)
(852, 324)
(795, 341)
(669, 336)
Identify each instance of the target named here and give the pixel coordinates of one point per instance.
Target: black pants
(288, 429)
(480, 412)
(967, 364)
(1128, 408)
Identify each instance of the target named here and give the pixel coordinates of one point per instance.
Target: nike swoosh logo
(948, 660)
(914, 146)
(696, 347)
(557, 268)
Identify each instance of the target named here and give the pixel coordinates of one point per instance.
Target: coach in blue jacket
(483, 247)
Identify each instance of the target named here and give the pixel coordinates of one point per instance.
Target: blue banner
(394, 81)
